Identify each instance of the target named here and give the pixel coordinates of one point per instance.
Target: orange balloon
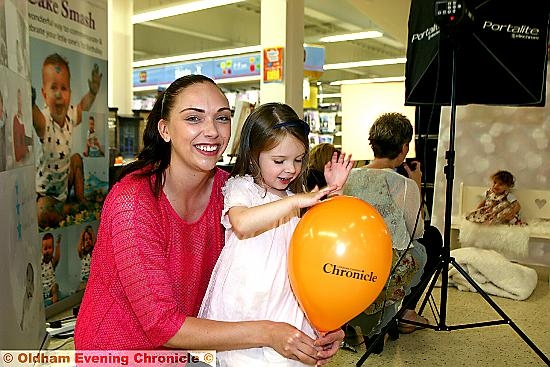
(339, 260)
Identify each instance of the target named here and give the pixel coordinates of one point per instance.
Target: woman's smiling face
(199, 126)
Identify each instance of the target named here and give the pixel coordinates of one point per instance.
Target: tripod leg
(374, 342)
(500, 312)
(430, 288)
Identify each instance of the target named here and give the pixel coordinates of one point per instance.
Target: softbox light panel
(501, 58)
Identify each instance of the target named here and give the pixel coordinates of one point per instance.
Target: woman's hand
(329, 343)
(337, 169)
(416, 174)
(293, 344)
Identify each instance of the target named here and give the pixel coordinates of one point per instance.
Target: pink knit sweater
(149, 269)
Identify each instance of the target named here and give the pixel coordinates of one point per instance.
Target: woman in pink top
(160, 236)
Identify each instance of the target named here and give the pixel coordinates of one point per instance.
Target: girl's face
(281, 165)
(199, 127)
(56, 90)
(499, 187)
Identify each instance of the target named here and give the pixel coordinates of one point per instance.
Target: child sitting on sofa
(499, 206)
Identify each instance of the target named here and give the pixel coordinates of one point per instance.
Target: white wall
(488, 139)
(121, 43)
(361, 105)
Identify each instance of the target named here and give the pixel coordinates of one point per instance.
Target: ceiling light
(197, 56)
(351, 36)
(180, 9)
(372, 80)
(359, 64)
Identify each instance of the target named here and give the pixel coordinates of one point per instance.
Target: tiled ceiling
(238, 25)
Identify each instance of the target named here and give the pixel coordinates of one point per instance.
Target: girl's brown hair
(505, 178)
(320, 155)
(263, 129)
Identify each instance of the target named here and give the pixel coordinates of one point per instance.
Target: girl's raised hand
(337, 170)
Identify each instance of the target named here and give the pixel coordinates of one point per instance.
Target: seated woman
(398, 199)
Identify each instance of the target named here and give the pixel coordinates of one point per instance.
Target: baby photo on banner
(22, 316)
(68, 45)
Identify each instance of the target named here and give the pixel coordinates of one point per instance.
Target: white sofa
(528, 244)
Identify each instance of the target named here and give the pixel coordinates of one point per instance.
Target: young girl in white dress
(262, 201)
(498, 206)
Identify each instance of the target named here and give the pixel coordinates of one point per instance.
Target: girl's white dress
(250, 279)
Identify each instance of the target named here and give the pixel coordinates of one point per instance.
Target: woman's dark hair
(389, 133)
(263, 129)
(154, 158)
(505, 178)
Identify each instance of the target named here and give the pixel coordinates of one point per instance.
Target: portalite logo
(427, 34)
(342, 271)
(516, 31)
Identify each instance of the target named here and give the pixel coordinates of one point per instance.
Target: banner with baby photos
(22, 317)
(68, 48)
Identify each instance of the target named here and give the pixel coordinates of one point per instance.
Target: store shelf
(325, 123)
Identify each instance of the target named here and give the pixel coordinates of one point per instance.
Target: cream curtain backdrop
(491, 138)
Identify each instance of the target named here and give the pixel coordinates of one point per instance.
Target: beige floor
(496, 345)
(482, 346)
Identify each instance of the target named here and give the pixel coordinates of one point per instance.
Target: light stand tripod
(446, 260)
(442, 268)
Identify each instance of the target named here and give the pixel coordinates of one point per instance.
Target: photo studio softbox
(500, 53)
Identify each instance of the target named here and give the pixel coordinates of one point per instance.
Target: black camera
(401, 169)
(411, 164)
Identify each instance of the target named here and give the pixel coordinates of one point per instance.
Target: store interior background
(351, 94)
(328, 99)
(488, 138)
(215, 29)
